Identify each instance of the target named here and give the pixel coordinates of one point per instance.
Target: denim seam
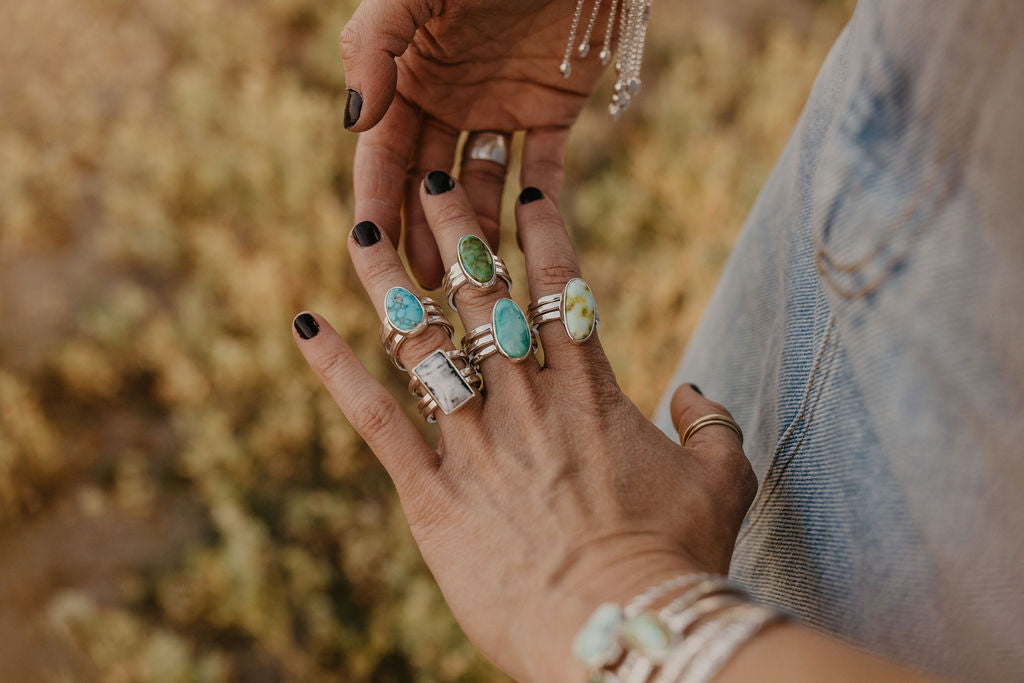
(812, 395)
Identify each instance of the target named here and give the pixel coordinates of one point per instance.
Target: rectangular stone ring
(574, 306)
(476, 265)
(445, 386)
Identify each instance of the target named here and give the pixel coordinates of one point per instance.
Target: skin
(553, 493)
(472, 65)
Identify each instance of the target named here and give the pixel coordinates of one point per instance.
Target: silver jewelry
(632, 17)
(445, 381)
(487, 145)
(476, 265)
(574, 306)
(513, 337)
(406, 316)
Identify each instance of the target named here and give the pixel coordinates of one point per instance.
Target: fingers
(435, 150)
(379, 31)
(373, 412)
(484, 182)
(543, 164)
(382, 157)
(550, 264)
(379, 269)
(451, 217)
(687, 406)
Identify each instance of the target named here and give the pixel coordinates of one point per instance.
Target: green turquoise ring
(477, 266)
(508, 334)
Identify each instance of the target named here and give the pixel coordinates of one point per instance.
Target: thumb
(379, 31)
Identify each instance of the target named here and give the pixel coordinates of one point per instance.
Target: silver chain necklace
(632, 17)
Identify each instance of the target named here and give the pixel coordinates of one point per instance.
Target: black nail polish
(438, 182)
(366, 233)
(530, 194)
(306, 326)
(697, 389)
(353, 107)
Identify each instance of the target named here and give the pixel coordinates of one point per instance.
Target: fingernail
(530, 194)
(353, 107)
(697, 389)
(438, 182)
(366, 233)
(306, 326)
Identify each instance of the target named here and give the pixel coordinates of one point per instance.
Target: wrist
(547, 648)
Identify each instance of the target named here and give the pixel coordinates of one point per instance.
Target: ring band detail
(712, 419)
(445, 381)
(406, 316)
(475, 264)
(574, 306)
(487, 145)
(507, 334)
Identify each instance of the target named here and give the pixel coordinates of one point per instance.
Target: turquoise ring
(508, 334)
(407, 315)
(477, 266)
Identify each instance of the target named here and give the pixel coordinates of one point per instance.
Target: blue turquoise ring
(508, 334)
(407, 315)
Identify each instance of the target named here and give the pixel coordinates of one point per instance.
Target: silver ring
(475, 264)
(487, 145)
(574, 306)
(441, 384)
(407, 315)
(514, 339)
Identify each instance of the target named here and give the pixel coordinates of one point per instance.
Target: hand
(552, 493)
(464, 65)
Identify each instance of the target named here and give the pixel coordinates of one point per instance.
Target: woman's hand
(461, 65)
(552, 493)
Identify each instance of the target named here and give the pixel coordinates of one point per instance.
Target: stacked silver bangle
(686, 641)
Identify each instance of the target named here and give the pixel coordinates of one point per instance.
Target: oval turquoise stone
(476, 259)
(511, 331)
(403, 308)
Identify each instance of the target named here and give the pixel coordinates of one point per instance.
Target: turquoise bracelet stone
(511, 332)
(404, 310)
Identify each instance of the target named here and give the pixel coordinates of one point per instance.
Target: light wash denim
(868, 335)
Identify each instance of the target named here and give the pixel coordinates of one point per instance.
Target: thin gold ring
(713, 419)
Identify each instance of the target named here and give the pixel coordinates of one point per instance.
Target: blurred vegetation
(179, 500)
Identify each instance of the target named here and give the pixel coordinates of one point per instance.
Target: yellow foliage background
(179, 499)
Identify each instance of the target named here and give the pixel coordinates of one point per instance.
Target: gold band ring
(713, 419)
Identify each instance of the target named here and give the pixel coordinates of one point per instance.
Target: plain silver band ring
(708, 420)
(487, 145)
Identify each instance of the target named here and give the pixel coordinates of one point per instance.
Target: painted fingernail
(530, 194)
(353, 107)
(306, 326)
(438, 182)
(697, 389)
(366, 233)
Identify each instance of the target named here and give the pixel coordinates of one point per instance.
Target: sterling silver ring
(445, 381)
(407, 315)
(476, 265)
(487, 145)
(507, 334)
(574, 306)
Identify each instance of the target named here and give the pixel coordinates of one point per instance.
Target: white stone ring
(406, 315)
(476, 265)
(445, 381)
(574, 306)
(508, 334)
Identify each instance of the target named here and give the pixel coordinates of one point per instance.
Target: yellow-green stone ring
(475, 265)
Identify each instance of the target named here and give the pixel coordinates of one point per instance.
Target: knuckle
(380, 271)
(332, 364)
(375, 416)
(454, 214)
(554, 275)
(483, 172)
(348, 41)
